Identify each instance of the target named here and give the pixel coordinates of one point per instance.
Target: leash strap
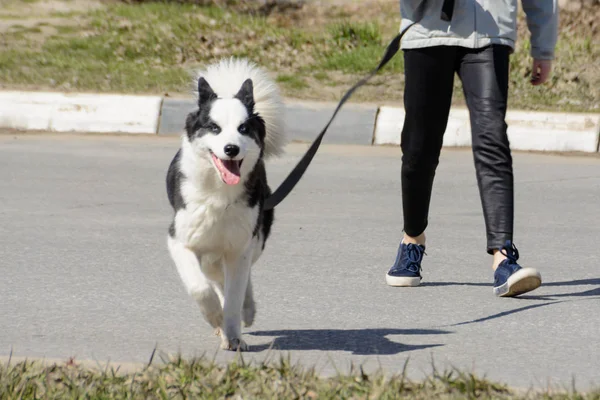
(294, 177)
(447, 10)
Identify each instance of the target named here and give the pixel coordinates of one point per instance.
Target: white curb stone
(61, 112)
(114, 113)
(526, 130)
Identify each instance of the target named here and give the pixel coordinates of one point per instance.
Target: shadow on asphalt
(579, 282)
(584, 293)
(547, 298)
(356, 341)
(375, 341)
(505, 313)
(591, 281)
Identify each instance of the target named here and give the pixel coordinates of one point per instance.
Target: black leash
(294, 177)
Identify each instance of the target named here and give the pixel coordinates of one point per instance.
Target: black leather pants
(429, 74)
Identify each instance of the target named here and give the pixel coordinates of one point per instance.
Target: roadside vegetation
(177, 378)
(315, 49)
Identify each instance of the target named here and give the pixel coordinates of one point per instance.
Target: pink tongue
(229, 169)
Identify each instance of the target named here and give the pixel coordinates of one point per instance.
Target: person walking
(475, 40)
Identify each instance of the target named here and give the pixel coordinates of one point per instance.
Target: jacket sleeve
(542, 21)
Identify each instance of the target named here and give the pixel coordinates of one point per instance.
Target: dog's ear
(246, 94)
(205, 92)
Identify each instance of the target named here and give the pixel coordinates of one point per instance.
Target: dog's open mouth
(229, 169)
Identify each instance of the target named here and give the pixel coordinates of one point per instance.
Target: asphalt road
(84, 269)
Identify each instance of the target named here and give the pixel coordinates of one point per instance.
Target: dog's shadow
(356, 341)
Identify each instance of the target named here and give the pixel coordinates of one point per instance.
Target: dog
(217, 185)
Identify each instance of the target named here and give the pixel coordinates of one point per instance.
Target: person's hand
(540, 72)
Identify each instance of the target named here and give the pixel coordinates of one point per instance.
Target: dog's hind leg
(195, 282)
(237, 274)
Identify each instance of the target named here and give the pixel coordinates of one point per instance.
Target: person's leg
(429, 78)
(484, 74)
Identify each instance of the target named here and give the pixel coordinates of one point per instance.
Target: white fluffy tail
(226, 77)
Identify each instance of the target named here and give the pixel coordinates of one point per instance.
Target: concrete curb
(359, 124)
(540, 131)
(61, 112)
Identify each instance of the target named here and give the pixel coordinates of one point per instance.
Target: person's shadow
(375, 341)
(579, 282)
(356, 341)
(541, 300)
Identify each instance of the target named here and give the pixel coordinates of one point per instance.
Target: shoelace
(510, 252)
(414, 254)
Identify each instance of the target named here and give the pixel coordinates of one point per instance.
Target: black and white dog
(217, 184)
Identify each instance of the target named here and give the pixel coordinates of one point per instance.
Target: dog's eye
(214, 128)
(243, 128)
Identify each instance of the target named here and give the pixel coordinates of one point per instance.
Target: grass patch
(66, 29)
(292, 81)
(152, 47)
(316, 53)
(349, 35)
(321, 76)
(356, 48)
(20, 29)
(360, 60)
(179, 379)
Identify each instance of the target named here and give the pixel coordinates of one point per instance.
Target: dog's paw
(215, 320)
(248, 314)
(233, 344)
(210, 306)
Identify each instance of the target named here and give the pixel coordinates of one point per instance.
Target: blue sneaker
(406, 270)
(510, 279)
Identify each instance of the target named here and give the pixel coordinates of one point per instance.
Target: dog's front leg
(249, 310)
(195, 282)
(237, 274)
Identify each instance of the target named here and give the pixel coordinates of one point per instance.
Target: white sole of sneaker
(402, 281)
(522, 281)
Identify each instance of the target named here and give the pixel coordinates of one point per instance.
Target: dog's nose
(231, 150)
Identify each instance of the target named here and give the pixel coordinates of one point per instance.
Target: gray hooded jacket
(479, 23)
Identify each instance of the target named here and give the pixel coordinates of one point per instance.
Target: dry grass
(316, 51)
(177, 378)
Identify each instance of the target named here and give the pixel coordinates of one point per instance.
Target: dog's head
(227, 130)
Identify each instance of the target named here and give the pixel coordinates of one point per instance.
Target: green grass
(181, 379)
(321, 76)
(350, 35)
(152, 47)
(144, 48)
(361, 60)
(292, 81)
(66, 29)
(356, 48)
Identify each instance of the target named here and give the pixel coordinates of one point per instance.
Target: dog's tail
(227, 76)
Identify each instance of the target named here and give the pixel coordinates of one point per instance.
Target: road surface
(85, 271)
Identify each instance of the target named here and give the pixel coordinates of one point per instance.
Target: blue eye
(243, 128)
(214, 128)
